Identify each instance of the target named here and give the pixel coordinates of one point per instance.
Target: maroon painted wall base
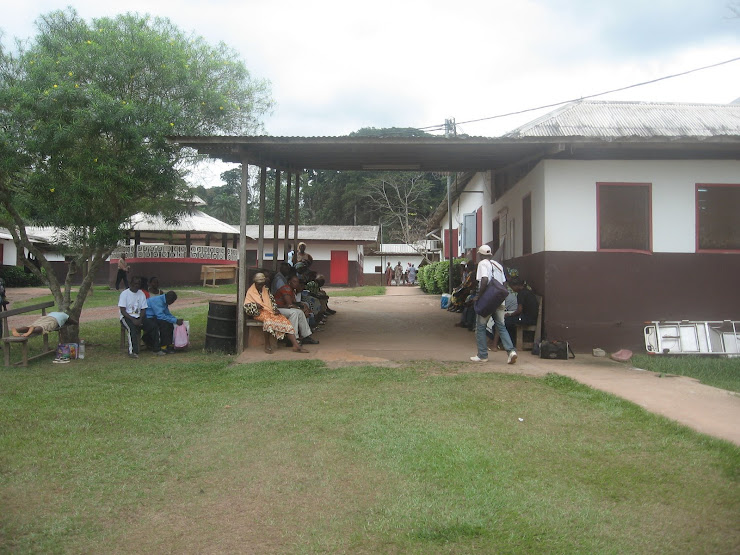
(599, 299)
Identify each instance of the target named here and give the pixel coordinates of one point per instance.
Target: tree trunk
(70, 333)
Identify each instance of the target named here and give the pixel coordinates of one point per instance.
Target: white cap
(484, 249)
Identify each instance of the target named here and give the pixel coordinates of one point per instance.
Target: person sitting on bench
(44, 324)
(158, 334)
(260, 305)
(527, 306)
(133, 304)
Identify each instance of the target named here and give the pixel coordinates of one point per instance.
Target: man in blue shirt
(159, 336)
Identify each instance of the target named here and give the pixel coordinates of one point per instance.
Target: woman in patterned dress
(259, 304)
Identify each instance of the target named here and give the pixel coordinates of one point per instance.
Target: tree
(85, 111)
(405, 201)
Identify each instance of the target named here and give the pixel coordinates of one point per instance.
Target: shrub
(423, 278)
(15, 276)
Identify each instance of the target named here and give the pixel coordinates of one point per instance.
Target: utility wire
(441, 127)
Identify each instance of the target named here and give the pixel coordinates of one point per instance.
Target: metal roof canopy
(441, 153)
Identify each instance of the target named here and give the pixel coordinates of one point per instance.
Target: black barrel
(221, 327)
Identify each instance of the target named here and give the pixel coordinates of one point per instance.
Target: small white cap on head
(484, 249)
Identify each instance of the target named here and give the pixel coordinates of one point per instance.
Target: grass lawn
(719, 372)
(104, 296)
(191, 453)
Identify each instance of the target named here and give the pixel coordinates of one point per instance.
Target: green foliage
(346, 197)
(85, 113)
(434, 278)
(441, 276)
(15, 276)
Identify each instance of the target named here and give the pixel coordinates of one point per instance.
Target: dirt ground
(407, 325)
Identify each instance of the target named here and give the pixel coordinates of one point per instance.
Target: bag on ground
(556, 350)
(181, 335)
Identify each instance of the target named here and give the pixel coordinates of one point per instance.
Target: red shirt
(285, 296)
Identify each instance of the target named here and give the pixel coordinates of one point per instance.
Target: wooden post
(261, 237)
(287, 217)
(242, 287)
(295, 212)
(276, 222)
(187, 244)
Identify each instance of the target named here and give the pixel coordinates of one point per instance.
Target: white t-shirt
(132, 302)
(490, 269)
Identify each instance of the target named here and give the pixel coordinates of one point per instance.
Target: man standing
(412, 274)
(122, 274)
(132, 304)
(399, 272)
(487, 270)
(388, 274)
(161, 323)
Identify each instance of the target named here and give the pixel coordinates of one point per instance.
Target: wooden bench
(255, 337)
(217, 271)
(536, 329)
(9, 339)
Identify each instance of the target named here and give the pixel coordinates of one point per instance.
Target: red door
(339, 269)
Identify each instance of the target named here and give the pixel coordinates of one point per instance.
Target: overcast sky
(337, 66)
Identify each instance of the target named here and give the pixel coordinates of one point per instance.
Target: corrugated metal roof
(603, 119)
(196, 221)
(364, 233)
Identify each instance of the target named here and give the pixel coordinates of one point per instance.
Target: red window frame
(698, 215)
(649, 186)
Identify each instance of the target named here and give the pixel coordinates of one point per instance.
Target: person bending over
(161, 323)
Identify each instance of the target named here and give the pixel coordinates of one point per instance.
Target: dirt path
(406, 325)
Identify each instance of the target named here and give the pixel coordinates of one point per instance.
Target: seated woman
(260, 305)
(44, 324)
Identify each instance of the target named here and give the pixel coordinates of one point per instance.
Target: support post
(287, 216)
(295, 210)
(276, 222)
(261, 237)
(242, 288)
(449, 124)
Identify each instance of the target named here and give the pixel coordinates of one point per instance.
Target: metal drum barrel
(221, 327)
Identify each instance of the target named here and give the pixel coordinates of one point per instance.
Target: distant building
(338, 251)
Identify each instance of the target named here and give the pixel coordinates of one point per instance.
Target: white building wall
(477, 193)
(570, 198)
(509, 210)
(319, 250)
(9, 252)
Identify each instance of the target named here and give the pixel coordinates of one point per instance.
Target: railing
(176, 251)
